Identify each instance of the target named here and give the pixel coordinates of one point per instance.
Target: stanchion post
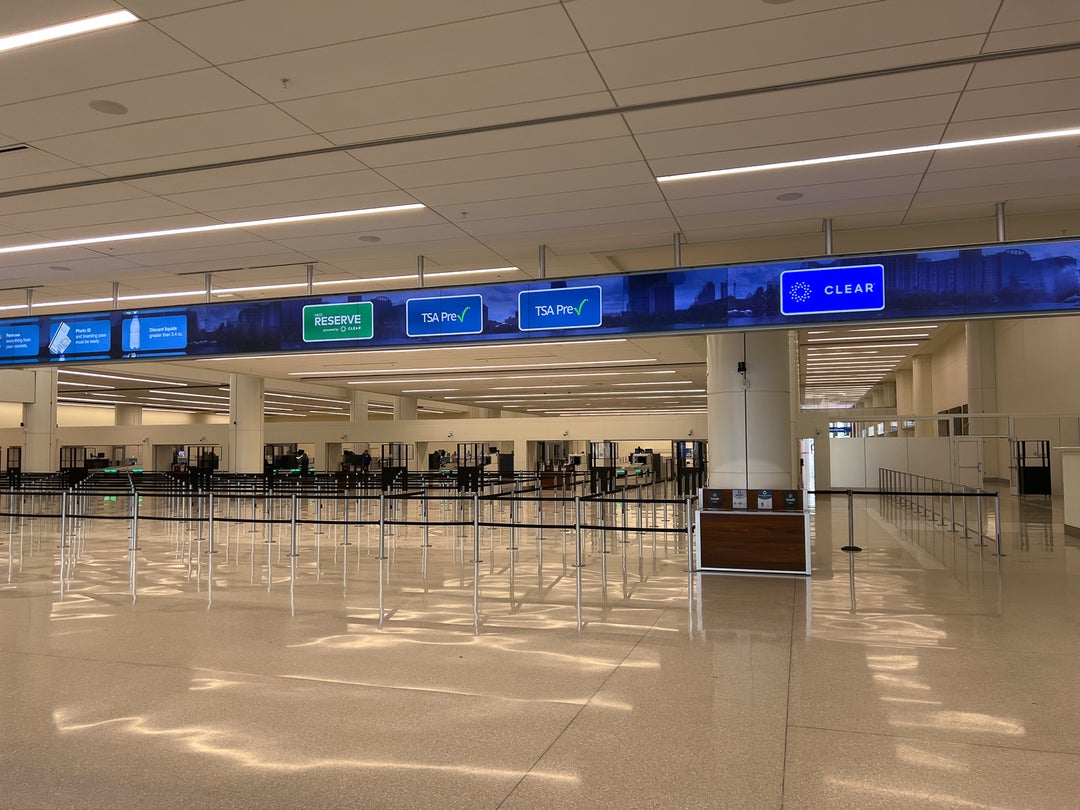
(851, 523)
(997, 523)
(577, 533)
(293, 528)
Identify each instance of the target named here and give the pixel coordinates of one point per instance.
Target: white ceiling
(212, 81)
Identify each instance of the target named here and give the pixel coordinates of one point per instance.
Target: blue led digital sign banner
(446, 315)
(1034, 278)
(562, 308)
(829, 290)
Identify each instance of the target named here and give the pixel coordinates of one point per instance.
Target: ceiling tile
(486, 143)
(121, 214)
(150, 9)
(1035, 36)
(875, 33)
(556, 203)
(233, 32)
(606, 23)
(250, 174)
(838, 97)
(98, 59)
(181, 94)
(642, 211)
(444, 128)
(285, 192)
(199, 158)
(1026, 14)
(472, 45)
(560, 157)
(1025, 70)
(1039, 97)
(172, 137)
(21, 17)
(786, 129)
(450, 94)
(549, 183)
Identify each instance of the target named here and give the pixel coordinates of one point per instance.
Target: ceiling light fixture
(221, 226)
(905, 150)
(867, 337)
(357, 372)
(119, 377)
(68, 29)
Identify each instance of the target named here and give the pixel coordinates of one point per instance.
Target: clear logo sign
(825, 290)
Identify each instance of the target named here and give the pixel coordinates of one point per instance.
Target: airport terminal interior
(534, 403)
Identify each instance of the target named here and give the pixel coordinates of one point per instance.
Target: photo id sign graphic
(449, 315)
(80, 337)
(561, 308)
(825, 290)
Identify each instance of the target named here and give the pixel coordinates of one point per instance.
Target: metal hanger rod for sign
(999, 216)
(542, 272)
(974, 59)
(420, 271)
(310, 278)
(827, 225)
(677, 249)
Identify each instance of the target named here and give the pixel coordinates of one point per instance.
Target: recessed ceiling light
(103, 105)
(369, 239)
(67, 29)
(790, 195)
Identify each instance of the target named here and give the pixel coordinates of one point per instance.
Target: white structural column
(246, 423)
(981, 367)
(982, 395)
(404, 408)
(750, 415)
(903, 391)
(39, 425)
(128, 415)
(521, 455)
(922, 393)
(358, 408)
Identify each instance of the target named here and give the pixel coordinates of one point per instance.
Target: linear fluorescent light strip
(291, 285)
(904, 150)
(68, 29)
(221, 226)
(511, 366)
(118, 377)
(395, 351)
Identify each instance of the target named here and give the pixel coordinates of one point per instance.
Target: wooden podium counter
(735, 534)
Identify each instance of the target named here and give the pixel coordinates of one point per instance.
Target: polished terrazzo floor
(944, 677)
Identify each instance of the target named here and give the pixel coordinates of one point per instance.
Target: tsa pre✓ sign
(560, 308)
(825, 290)
(448, 315)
